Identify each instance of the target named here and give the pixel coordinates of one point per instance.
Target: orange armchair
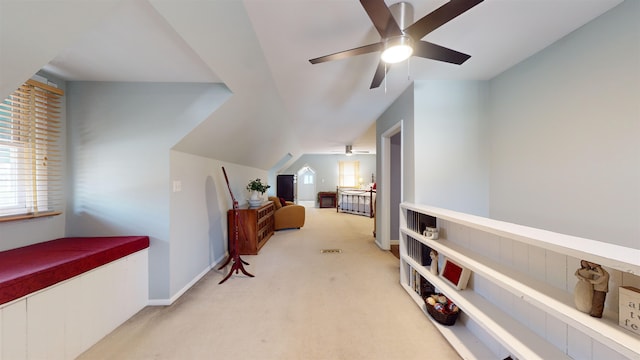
(290, 216)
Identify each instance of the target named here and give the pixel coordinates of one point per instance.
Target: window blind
(348, 173)
(30, 152)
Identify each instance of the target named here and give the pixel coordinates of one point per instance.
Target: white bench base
(64, 320)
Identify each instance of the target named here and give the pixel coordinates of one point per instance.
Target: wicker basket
(443, 317)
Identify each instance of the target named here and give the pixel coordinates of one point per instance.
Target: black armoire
(286, 187)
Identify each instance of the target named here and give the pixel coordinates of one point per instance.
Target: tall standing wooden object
(234, 253)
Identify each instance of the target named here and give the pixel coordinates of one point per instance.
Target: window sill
(28, 216)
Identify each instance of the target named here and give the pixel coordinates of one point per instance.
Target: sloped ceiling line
(281, 103)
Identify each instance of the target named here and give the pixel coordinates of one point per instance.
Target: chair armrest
(290, 216)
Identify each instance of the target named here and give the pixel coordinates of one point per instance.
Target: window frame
(30, 152)
(353, 168)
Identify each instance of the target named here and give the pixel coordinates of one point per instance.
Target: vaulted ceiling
(260, 50)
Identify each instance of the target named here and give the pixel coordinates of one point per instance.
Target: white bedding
(356, 201)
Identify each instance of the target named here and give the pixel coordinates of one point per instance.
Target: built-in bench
(59, 297)
(31, 268)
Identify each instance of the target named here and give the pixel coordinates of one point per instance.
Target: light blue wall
(565, 133)
(326, 168)
(551, 143)
(119, 141)
(401, 111)
(444, 145)
(451, 163)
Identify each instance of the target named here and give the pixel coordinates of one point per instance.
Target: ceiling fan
(348, 150)
(399, 42)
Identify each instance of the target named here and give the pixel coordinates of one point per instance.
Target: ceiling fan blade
(348, 53)
(381, 71)
(436, 52)
(381, 18)
(439, 17)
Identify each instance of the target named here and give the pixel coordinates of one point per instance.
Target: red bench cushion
(31, 268)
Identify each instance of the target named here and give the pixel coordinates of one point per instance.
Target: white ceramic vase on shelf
(256, 199)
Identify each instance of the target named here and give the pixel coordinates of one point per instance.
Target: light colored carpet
(301, 305)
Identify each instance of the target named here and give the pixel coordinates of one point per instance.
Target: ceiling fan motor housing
(399, 48)
(403, 14)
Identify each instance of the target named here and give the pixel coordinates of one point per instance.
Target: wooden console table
(327, 199)
(256, 225)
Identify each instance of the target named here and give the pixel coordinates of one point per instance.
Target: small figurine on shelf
(583, 292)
(431, 233)
(600, 283)
(434, 262)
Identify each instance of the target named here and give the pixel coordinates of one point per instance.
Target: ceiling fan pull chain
(409, 69)
(385, 78)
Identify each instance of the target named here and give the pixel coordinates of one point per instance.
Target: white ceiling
(328, 105)
(134, 43)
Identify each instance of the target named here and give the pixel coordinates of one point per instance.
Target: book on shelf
(418, 222)
(425, 255)
(419, 251)
(420, 285)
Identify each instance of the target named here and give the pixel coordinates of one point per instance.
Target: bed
(356, 201)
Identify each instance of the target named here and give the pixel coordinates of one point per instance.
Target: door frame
(384, 240)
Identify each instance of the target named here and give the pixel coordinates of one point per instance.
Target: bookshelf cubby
(519, 300)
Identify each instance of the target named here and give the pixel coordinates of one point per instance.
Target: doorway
(390, 187)
(307, 186)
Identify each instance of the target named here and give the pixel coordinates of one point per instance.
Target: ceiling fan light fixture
(347, 150)
(397, 49)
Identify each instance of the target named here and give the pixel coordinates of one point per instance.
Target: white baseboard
(176, 296)
(159, 302)
(380, 244)
(391, 242)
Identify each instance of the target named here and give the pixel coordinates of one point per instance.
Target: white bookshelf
(526, 269)
(466, 344)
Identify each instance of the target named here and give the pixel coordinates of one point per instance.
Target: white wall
(258, 130)
(198, 216)
(565, 134)
(57, 25)
(120, 136)
(451, 162)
